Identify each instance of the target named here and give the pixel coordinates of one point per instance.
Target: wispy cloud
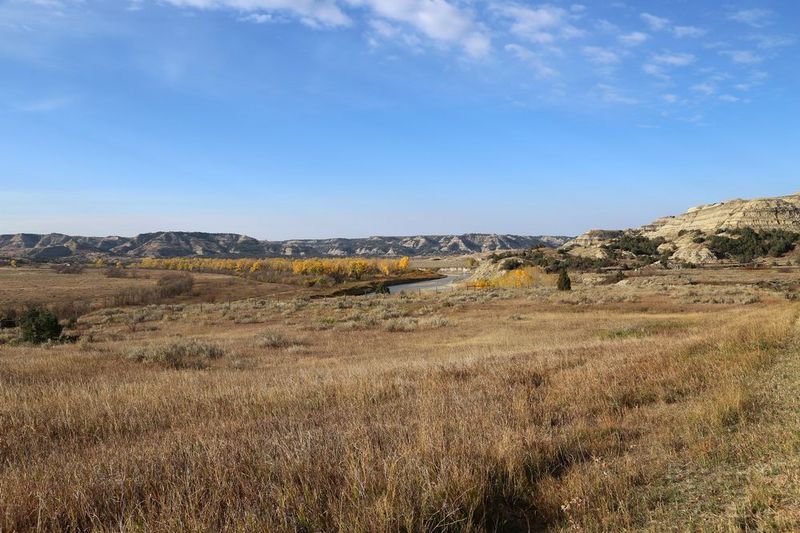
(745, 57)
(654, 22)
(656, 71)
(768, 42)
(633, 39)
(704, 88)
(612, 95)
(533, 60)
(437, 20)
(688, 32)
(440, 21)
(543, 25)
(674, 60)
(311, 12)
(647, 59)
(258, 18)
(600, 56)
(757, 18)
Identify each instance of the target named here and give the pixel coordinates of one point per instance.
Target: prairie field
(666, 401)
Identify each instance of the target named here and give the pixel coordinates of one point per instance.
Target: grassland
(670, 400)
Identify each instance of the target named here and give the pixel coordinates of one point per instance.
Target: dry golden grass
(607, 408)
(43, 286)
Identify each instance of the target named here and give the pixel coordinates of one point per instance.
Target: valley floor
(668, 401)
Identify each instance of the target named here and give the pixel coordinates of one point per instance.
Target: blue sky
(320, 118)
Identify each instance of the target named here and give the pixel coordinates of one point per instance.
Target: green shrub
(512, 264)
(39, 325)
(382, 288)
(745, 244)
(8, 318)
(636, 244)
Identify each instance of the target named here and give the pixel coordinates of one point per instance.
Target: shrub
(401, 324)
(175, 284)
(745, 244)
(382, 288)
(191, 354)
(68, 269)
(39, 325)
(115, 272)
(512, 264)
(8, 318)
(273, 339)
(636, 244)
(71, 310)
(564, 283)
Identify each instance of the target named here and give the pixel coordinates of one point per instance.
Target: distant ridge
(194, 244)
(683, 234)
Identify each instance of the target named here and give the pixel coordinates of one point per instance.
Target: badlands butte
(702, 235)
(699, 235)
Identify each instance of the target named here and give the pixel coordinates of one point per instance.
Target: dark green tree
(39, 325)
(382, 288)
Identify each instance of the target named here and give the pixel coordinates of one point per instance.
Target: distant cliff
(685, 236)
(188, 244)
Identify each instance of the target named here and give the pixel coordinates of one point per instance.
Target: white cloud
(437, 20)
(729, 98)
(633, 39)
(669, 98)
(531, 59)
(612, 95)
(758, 18)
(600, 56)
(655, 71)
(674, 60)
(311, 12)
(605, 26)
(688, 31)
(542, 25)
(258, 18)
(704, 88)
(655, 23)
(768, 42)
(745, 57)
(441, 21)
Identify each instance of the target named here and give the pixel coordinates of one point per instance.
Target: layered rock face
(782, 213)
(680, 232)
(187, 244)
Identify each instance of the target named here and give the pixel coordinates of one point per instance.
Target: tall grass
(541, 423)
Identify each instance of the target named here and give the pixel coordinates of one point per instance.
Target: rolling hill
(188, 244)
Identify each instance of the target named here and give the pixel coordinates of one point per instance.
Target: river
(442, 284)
